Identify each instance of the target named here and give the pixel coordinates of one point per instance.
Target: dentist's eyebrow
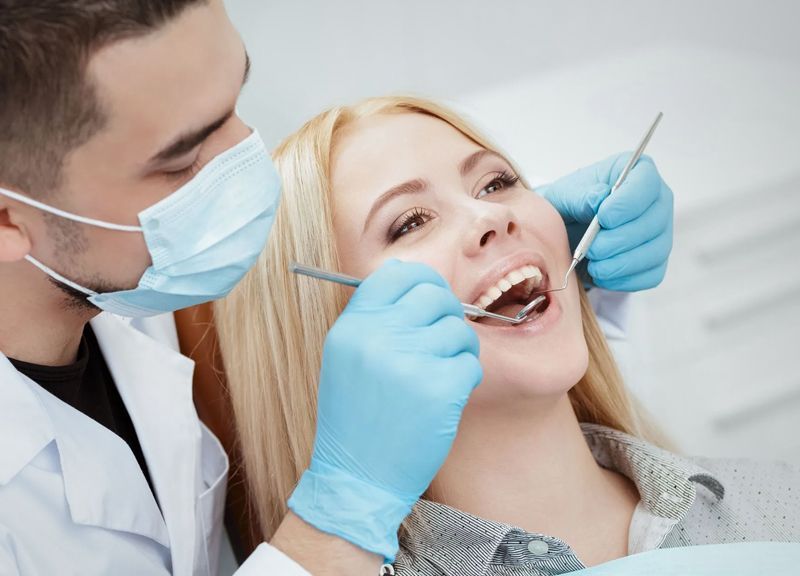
(415, 186)
(469, 163)
(187, 142)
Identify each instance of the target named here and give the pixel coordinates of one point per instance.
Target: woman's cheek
(440, 256)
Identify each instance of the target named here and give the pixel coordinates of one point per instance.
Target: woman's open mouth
(512, 293)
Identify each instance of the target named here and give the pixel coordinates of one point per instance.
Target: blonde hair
(273, 325)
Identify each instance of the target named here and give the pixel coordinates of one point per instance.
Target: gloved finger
(426, 303)
(654, 222)
(391, 281)
(449, 337)
(636, 282)
(634, 261)
(577, 196)
(637, 193)
(574, 198)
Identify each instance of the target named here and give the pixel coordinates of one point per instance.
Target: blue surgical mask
(202, 239)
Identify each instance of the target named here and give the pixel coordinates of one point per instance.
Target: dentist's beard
(77, 301)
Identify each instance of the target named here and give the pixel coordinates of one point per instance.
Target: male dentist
(129, 187)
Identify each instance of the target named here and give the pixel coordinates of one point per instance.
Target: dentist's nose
(495, 223)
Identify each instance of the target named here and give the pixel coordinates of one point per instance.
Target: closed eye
(183, 173)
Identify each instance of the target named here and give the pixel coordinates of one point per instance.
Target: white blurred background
(563, 84)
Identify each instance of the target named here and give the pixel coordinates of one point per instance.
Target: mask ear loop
(68, 215)
(58, 277)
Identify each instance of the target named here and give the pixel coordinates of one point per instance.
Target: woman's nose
(494, 225)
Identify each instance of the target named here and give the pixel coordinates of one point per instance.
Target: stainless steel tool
(313, 272)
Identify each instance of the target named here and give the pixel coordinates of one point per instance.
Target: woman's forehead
(375, 135)
(388, 147)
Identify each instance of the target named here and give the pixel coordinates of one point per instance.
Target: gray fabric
(684, 502)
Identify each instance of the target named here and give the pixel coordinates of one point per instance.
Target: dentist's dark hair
(48, 105)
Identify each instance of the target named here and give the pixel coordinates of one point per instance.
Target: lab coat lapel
(25, 428)
(102, 483)
(155, 383)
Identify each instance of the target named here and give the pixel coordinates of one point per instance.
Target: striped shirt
(684, 502)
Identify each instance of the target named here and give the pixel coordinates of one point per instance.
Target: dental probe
(346, 280)
(594, 225)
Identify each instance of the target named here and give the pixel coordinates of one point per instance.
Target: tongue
(509, 309)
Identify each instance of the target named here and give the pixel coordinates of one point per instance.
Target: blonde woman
(551, 469)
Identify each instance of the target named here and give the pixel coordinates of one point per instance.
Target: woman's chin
(532, 374)
(537, 385)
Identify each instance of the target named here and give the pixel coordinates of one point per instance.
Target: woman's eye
(409, 223)
(503, 180)
(493, 187)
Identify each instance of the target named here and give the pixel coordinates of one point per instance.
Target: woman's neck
(533, 469)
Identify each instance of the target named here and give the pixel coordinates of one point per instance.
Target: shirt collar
(469, 547)
(665, 481)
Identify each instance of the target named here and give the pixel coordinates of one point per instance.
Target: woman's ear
(15, 243)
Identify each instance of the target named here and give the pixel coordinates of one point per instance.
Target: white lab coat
(73, 500)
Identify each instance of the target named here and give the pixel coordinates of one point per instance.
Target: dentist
(130, 188)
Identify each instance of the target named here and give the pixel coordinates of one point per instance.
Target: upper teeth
(511, 279)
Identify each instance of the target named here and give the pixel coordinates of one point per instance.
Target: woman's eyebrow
(469, 163)
(415, 186)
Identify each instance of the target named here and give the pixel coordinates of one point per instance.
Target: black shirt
(88, 387)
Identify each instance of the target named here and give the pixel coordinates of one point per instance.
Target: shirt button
(538, 547)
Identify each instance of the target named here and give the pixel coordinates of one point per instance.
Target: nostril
(511, 228)
(486, 237)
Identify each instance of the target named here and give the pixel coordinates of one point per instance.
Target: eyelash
(420, 216)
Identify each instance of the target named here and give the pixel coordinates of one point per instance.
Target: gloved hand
(631, 250)
(398, 367)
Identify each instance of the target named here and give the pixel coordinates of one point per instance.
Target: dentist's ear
(15, 242)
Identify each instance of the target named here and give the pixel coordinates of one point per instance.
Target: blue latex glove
(741, 559)
(631, 250)
(398, 367)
